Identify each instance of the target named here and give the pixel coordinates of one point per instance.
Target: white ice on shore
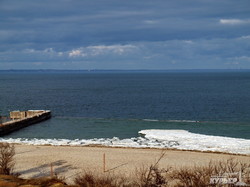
(177, 139)
(190, 141)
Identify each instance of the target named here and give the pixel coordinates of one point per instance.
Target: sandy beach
(35, 161)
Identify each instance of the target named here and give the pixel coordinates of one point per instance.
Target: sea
(205, 110)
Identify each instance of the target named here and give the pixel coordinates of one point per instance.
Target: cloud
(44, 52)
(91, 51)
(232, 63)
(123, 34)
(234, 21)
(116, 49)
(172, 54)
(49, 50)
(188, 41)
(245, 37)
(151, 21)
(29, 51)
(238, 61)
(76, 52)
(243, 58)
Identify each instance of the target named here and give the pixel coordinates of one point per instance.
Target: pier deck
(21, 119)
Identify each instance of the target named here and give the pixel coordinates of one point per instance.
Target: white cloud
(60, 54)
(188, 41)
(245, 37)
(243, 58)
(234, 21)
(76, 53)
(29, 51)
(117, 49)
(238, 60)
(151, 21)
(232, 63)
(49, 50)
(101, 50)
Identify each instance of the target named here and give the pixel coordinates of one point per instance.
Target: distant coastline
(123, 70)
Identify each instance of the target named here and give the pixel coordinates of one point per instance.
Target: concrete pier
(21, 119)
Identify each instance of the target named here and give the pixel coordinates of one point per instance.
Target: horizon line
(89, 70)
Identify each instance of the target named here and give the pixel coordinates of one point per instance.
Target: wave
(180, 121)
(150, 120)
(132, 119)
(153, 138)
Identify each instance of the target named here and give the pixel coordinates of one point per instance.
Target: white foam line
(177, 139)
(150, 120)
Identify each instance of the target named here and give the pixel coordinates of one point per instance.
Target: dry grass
(7, 163)
(90, 179)
(153, 176)
(199, 176)
(13, 181)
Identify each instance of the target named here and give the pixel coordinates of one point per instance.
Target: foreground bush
(13, 181)
(88, 179)
(7, 163)
(199, 176)
(154, 176)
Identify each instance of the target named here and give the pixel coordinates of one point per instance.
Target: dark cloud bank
(116, 34)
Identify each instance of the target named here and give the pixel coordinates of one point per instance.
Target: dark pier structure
(21, 119)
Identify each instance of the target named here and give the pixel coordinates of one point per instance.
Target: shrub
(88, 179)
(7, 163)
(153, 176)
(199, 176)
(45, 182)
(196, 176)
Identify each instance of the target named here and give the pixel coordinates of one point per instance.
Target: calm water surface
(107, 104)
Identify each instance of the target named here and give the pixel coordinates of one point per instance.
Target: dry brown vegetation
(154, 176)
(7, 163)
(199, 176)
(150, 176)
(13, 181)
(90, 179)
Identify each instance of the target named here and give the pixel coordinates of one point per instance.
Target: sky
(124, 34)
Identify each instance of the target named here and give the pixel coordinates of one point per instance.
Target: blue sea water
(106, 104)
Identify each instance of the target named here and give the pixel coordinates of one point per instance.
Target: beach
(70, 161)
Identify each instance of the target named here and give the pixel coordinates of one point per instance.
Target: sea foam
(175, 139)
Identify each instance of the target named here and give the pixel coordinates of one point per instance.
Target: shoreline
(144, 148)
(69, 161)
(124, 147)
(163, 149)
(186, 142)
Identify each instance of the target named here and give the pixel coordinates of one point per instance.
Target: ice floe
(191, 141)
